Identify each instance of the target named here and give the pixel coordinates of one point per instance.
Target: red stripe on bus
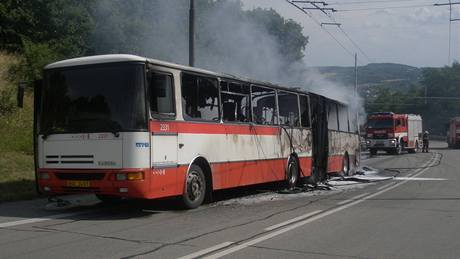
(211, 128)
(335, 164)
(167, 182)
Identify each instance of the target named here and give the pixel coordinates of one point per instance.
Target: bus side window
(288, 106)
(343, 118)
(161, 94)
(304, 111)
(200, 98)
(353, 120)
(235, 102)
(333, 123)
(264, 106)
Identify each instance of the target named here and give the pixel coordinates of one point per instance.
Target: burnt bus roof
(117, 58)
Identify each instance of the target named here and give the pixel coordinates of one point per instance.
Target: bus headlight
(135, 176)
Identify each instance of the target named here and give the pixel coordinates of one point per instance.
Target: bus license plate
(79, 184)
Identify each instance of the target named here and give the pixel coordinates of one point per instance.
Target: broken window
(264, 106)
(235, 102)
(288, 104)
(333, 123)
(304, 111)
(343, 118)
(200, 98)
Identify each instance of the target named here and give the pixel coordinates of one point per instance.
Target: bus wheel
(345, 165)
(292, 173)
(195, 188)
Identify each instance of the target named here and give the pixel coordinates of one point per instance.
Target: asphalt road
(411, 210)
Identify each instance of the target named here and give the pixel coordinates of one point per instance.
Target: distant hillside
(396, 76)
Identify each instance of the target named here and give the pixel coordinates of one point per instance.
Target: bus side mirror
(20, 95)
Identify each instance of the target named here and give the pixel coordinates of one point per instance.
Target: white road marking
(353, 199)
(206, 251)
(35, 220)
(384, 186)
(282, 224)
(241, 246)
(419, 179)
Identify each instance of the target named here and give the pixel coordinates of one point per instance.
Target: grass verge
(17, 180)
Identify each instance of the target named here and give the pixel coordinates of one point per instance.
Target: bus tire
(345, 165)
(195, 188)
(292, 173)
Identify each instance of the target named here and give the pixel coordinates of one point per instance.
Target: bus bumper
(103, 182)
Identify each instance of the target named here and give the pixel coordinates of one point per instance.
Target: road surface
(412, 209)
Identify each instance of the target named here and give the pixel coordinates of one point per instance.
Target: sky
(416, 36)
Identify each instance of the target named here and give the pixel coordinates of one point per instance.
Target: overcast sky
(416, 36)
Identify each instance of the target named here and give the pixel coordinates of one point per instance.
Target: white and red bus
(128, 126)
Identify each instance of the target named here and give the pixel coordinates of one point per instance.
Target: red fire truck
(393, 133)
(453, 134)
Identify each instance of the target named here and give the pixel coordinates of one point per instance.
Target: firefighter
(426, 141)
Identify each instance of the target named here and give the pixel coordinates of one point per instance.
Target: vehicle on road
(393, 133)
(128, 126)
(453, 133)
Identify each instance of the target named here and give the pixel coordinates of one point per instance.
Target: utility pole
(450, 4)
(356, 74)
(191, 38)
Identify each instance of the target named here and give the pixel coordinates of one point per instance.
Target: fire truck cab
(393, 133)
(453, 134)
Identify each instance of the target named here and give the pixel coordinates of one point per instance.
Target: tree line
(441, 86)
(43, 31)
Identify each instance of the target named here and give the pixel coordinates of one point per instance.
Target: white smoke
(226, 41)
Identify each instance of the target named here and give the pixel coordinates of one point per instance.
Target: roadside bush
(7, 102)
(34, 57)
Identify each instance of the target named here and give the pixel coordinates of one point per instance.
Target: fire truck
(393, 133)
(453, 134)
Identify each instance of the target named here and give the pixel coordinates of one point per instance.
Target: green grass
(17, 180)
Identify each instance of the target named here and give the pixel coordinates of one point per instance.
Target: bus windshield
(109, 98)
(380, 124)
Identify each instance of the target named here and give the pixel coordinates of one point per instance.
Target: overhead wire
(372, 2)
(319, 24)
(384, 8)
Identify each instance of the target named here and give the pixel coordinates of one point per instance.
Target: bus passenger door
(320, 149)
(164, 135)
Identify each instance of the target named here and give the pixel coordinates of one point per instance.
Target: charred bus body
(128, 126)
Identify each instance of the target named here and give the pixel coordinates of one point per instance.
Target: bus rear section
(453, 134)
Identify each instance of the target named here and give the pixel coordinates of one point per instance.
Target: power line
(384, 8)
(351, 40)
(372, 2)
(319, 24)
